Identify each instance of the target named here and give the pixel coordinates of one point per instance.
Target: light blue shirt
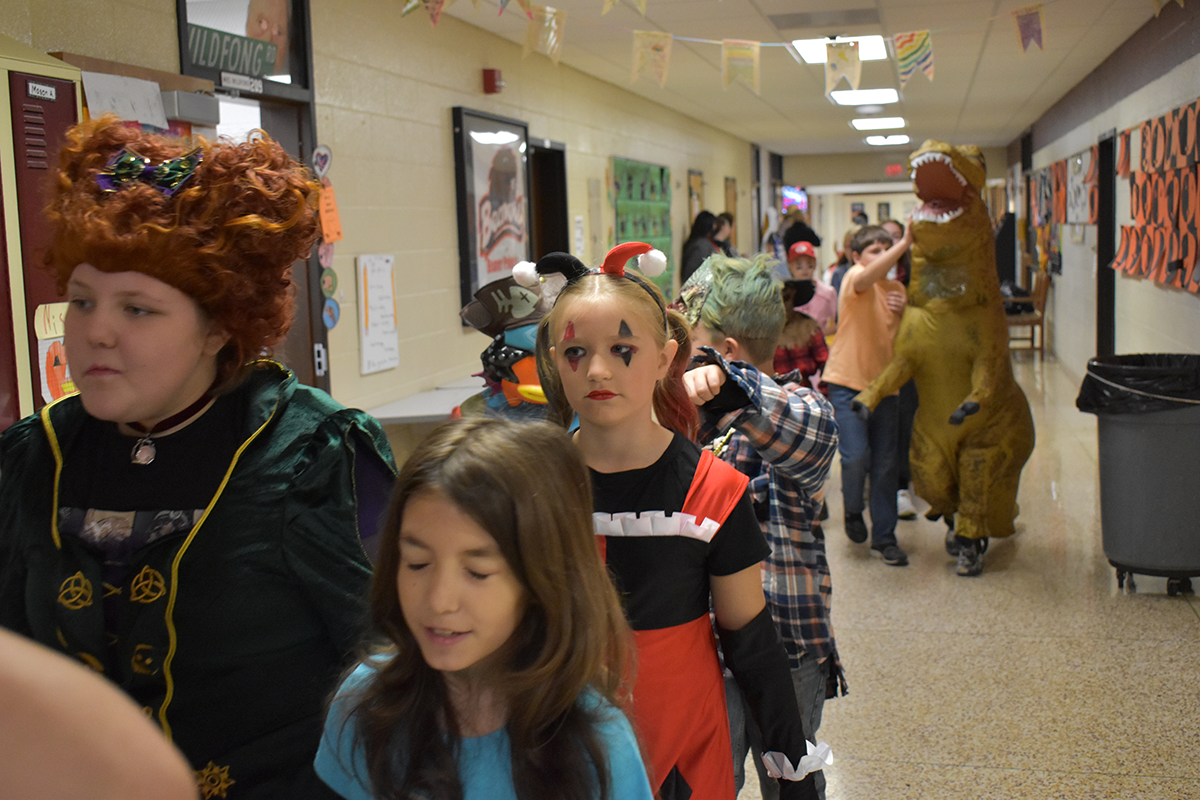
(484, 766)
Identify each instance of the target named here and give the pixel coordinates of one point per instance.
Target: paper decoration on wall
(320, 160)
(1059, 176)
(1182, 248)
(327, 210)
(1123, 154)
(1029, 25)
(409, 7)
(524, 4)
(1158, 5)
(913, 50)
(653, 49)
(608, 6)
(331, 312)
(739, 60)
(1079, 202)
(544, 33)
(379, 343)
(434, 7)
(841, 61)
(641, 196)
(1041, 197)
(329, 282)
(1092, 179)
(1183, 147)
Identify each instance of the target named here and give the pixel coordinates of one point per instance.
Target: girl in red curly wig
(191, 524)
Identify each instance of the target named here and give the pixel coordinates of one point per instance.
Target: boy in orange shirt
(870, 303)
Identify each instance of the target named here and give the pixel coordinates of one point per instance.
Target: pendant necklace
(144, 449)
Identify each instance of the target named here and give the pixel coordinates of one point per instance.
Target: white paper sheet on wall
(128, 98)
(379, 343)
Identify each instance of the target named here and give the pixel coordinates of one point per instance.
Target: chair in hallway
(1033, 320)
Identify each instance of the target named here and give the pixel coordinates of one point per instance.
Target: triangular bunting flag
(841, 61)
(1158, 5)
(524, 4)
(913, 50)
(434, 7)
(651, 48)
(609, 4)
(1029, 26)
(545, 31)
(739, 59)
(409, 7)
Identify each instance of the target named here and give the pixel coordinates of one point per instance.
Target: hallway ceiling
(985, 90)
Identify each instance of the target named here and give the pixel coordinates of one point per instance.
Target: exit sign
(894, 170)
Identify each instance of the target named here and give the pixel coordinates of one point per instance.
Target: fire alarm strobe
(492, 82)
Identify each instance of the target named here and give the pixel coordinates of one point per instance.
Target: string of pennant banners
(913, 50)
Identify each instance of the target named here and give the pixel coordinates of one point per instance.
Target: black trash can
(1148, 410)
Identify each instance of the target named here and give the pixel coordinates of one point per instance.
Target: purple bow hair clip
(167, 177)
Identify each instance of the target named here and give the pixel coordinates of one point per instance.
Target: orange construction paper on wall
(331, 222)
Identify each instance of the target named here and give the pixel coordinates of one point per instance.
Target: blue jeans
(868, 447)
(908, 410)
(808, 680)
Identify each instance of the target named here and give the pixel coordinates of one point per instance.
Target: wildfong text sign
(229, 52)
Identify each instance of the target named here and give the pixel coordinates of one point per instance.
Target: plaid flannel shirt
(784, 437)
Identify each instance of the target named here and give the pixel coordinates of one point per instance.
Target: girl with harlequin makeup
(675, 525)
(205, 510)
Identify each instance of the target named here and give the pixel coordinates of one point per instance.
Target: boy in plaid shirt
(783, 436)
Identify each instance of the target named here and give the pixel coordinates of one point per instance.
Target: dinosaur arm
(897, 373)
(990, 363)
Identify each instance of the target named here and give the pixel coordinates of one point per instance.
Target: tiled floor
(1038, 679)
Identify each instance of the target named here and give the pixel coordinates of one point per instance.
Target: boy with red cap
(802, 264)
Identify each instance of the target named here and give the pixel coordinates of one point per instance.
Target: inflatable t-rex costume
(973, 431)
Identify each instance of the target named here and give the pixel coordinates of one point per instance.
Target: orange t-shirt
(866, 328)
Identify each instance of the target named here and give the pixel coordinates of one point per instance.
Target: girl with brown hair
(676, 525)
(504, 655)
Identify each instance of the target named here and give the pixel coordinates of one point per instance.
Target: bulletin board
(642, 199)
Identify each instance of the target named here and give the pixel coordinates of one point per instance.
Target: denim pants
(808, 679)
(868, 447)
(908, 410)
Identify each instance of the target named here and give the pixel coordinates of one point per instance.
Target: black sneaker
(856, 529)
(952, 545)
(891, 555)
(970, 556)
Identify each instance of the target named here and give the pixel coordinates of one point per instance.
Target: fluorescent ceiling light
(860, 97)
(877, 123)
(884, 141)
(870, 48)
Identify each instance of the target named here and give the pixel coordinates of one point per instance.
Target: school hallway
(1037, 679)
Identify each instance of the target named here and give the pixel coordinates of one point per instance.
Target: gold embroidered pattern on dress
(148, 586)
(213, 781)
(142, 663)
(75, 592)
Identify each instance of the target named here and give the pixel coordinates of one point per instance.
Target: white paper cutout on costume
(778, 766)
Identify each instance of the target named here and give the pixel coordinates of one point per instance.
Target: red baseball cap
(801, 249)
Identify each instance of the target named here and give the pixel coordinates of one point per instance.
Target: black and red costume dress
(664, 530)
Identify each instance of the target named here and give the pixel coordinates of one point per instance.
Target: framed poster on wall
(642, 201)
(491, 176)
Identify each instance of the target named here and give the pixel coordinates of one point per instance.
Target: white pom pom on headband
(549, 267)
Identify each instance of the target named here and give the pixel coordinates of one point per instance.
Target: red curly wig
(227, 238)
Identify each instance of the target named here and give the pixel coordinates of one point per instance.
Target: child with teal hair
(783, 436)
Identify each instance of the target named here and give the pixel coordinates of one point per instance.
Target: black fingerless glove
(755, 656)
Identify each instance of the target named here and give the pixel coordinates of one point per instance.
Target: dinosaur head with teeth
(953, 249)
